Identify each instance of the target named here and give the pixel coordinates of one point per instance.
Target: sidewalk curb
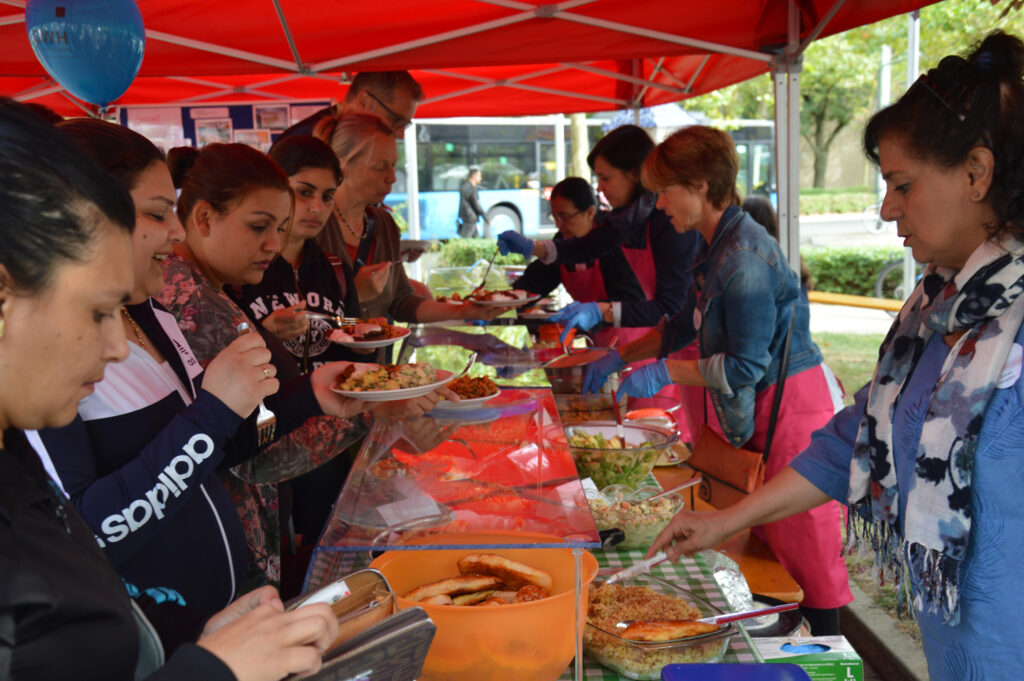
(893, 655)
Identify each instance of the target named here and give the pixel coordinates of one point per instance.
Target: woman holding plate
(302, 278)
(235, 202)
(364, 235)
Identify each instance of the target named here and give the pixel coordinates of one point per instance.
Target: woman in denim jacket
(744, 300)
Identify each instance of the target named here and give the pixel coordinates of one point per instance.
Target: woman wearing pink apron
(657, 256)
(749, 301)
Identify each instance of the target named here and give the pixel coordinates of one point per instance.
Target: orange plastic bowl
(523, 641)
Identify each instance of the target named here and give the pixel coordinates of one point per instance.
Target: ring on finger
(266, 371)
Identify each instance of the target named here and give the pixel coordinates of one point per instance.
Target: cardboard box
(824, 658)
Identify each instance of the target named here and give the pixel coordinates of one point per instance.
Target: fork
(266, 421)
(335, 319)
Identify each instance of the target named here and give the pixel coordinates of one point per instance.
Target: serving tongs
(483, 281)
(732, 616)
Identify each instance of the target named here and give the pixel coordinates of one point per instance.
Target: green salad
(629, 466)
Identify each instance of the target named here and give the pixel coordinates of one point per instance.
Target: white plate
(378, 343)
(467, 402)
(536, 314)
(506, 303)
(399, 393)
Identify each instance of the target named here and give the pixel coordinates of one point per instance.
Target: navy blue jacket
(142, 471)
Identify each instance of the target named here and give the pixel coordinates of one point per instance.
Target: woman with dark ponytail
(928, 458)
(574, 212)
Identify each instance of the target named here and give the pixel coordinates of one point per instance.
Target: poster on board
(270, 116)
(257, 139)
(213, 130)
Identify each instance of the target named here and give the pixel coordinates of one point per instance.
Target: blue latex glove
(582, 316)
(599, 371)
(511, 241)
(647, 380)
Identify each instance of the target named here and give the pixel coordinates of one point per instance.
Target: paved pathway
(843, 319)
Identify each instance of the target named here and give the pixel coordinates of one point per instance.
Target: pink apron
(587, 285)
(807, 544)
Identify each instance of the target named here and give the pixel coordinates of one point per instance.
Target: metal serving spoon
(732, 616)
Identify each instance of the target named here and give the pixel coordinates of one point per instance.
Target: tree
(836, 86)
(839, 77)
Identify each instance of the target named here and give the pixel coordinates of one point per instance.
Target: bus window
(743, 177)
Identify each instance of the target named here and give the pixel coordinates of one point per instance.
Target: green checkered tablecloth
(692, 574)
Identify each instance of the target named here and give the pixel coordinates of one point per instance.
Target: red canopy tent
(473, 57)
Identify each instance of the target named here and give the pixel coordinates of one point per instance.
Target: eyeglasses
(398, 122)
(562, 217)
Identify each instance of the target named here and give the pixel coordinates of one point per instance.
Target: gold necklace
(357, 237)
(135, 327)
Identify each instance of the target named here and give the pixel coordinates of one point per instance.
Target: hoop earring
(1, 328)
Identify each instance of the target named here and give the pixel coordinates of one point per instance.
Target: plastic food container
(524, 641)
(644, 660)
(614, 466)
(566, 372)
(627, 509)
(587, 407)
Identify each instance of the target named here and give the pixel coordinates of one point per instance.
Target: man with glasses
(392, 96)
(470, 210)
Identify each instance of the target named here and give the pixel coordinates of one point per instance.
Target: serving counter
(502, 469)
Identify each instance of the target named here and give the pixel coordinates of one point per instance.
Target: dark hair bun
(1001, 54)
(179, 161)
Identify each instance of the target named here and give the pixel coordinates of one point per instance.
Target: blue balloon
(93, 48)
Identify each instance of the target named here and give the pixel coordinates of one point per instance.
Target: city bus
(517, 159)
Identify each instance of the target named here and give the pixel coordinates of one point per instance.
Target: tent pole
(786, 80)
(412, 192)
(560, 121)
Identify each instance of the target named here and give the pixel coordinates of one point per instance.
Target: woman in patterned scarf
(928, 456)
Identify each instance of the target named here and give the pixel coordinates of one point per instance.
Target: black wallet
(375, 643)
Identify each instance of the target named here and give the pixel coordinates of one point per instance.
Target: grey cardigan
(397, 299)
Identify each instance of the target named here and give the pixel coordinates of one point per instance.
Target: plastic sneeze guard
(422, 476)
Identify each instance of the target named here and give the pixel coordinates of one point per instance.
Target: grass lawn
(852, 358)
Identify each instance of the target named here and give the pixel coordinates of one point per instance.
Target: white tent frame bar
(13, 19)
(488, 83)
(530, 12)
(288, 34)
(629, 79)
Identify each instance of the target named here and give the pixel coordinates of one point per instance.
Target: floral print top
(208, 318)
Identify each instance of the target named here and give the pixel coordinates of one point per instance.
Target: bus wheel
(503, 218)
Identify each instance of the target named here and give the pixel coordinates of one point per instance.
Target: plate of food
(371, 333)
(536, 313)
(384, 383)
(505, 298)
(473, 391)
(663, 605)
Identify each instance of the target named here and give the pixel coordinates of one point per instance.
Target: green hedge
(822, 203)
(847, 270)
(465, 252)
(850, 270)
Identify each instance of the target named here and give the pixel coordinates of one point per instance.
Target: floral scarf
(979, 300)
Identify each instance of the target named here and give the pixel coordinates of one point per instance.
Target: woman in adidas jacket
(140, 459)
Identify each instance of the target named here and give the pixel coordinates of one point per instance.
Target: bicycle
(871, 219)
(889, 280)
